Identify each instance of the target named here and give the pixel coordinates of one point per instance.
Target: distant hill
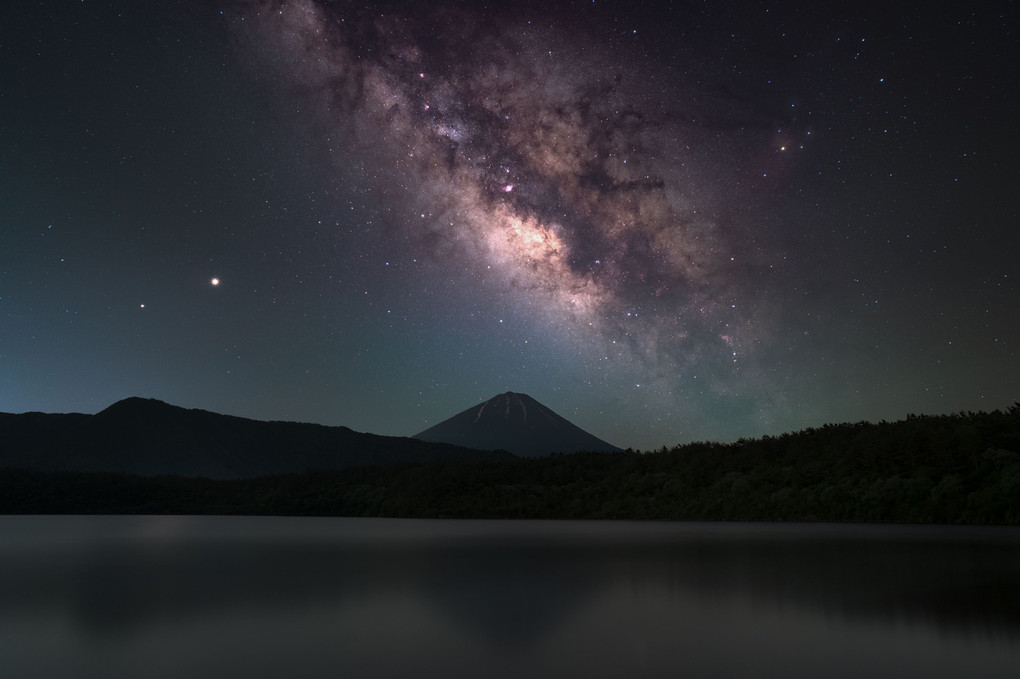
(516, 423)
(147, 437)
(961, 468)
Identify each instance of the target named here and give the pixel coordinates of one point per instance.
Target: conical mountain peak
(516, 423)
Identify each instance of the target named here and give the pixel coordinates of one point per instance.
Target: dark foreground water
(294, 597)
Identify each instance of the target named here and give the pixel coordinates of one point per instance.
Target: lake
(182, 596)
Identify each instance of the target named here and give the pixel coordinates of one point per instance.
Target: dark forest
(962, 468)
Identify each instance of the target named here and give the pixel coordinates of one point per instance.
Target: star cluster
(541, 164)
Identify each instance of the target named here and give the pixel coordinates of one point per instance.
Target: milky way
(535, 158)
(665, 221)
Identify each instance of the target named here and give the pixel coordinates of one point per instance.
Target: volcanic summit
(516, 423)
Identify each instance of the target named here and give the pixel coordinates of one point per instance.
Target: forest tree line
(961, 468)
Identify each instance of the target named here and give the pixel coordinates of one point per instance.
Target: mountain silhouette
(516, 423)
(148, 437)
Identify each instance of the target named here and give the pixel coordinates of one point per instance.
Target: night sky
(666, 222)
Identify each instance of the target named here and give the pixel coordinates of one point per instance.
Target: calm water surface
(297, 597)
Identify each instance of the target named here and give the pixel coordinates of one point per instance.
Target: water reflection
(205, 596)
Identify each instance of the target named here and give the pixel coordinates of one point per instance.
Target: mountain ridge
(148, 437)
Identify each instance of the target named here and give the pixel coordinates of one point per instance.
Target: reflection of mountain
(508, 583)
(506, 592)
(508, 595)
(149, 438)
(517, 423)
